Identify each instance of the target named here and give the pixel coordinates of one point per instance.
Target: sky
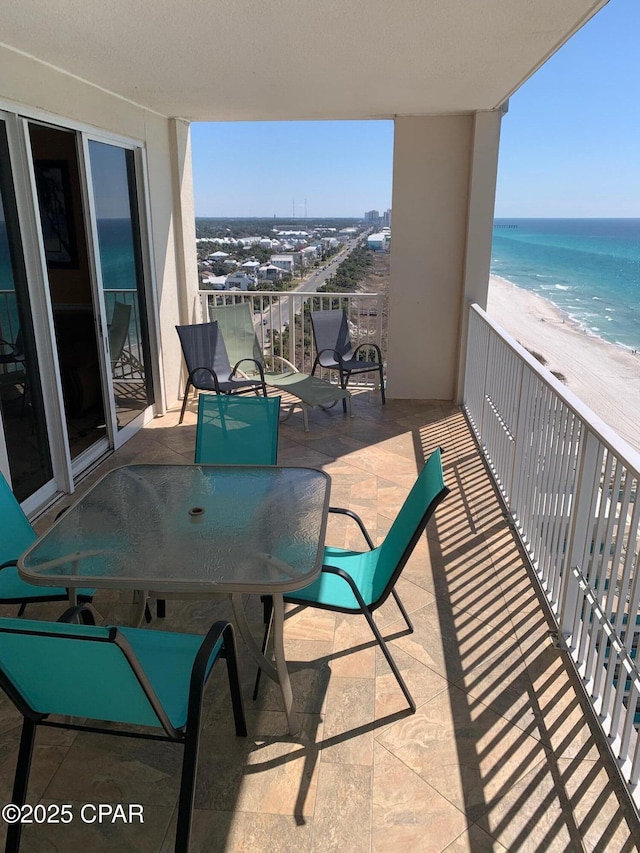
(570, 144)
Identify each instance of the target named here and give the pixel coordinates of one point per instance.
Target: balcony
(500, 754)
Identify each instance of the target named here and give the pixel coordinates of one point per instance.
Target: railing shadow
(530, 772)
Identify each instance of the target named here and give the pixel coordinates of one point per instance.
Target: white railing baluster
(571, 485)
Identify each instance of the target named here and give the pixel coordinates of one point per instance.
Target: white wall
(40, 91)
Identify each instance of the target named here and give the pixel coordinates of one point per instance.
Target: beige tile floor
(499, 755)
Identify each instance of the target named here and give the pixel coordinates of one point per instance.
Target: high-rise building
(371, 216)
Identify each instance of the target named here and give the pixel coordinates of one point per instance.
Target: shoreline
(605, 376)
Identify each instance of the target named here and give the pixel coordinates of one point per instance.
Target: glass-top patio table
(196, 529)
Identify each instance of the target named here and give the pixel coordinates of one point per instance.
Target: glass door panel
(21, 401)
(59, 186)
(120, 273)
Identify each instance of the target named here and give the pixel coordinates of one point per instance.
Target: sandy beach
(604, 376)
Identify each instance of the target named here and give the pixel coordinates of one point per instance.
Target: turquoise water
(116, 255)
(589, 268)
(117, 258)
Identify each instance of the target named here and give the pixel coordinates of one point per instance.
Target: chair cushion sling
(16, 536)
(376, 571)
(235, 430)
(59, 670)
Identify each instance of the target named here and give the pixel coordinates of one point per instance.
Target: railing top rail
(605, 434)
(305, 293)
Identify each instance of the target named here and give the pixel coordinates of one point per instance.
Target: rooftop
(499, 756)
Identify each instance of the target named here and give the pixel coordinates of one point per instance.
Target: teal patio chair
(208, 364)
(236, 324)
(17, 535)
(236, 430)
(154, 679)
(231, 430)
(360, 582)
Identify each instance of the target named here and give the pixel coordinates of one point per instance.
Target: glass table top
(188, 528)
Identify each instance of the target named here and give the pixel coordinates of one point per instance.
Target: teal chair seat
(235, 430)
(330, 590)
(16, 536)
(129, 676)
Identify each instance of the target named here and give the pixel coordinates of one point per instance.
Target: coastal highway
(278, 316)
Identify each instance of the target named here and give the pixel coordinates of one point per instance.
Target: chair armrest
(341, 511)
(334, 353)
(214, 376)
(285, 362)
(336, 357)
(80, 611)
(253, 360)
(219, 642)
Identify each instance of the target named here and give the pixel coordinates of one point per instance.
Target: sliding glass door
(120, 273)
(26, 443)
(75, 378)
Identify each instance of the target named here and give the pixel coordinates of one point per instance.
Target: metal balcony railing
(283, 324)
(571, 486)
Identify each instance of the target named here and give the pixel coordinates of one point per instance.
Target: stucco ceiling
(208, 60)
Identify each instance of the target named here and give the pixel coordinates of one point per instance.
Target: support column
(185, 221)
(444, 172)
(431, 164)
(185, 308)
(482, 195)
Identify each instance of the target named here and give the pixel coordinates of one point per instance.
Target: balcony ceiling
(282, 59)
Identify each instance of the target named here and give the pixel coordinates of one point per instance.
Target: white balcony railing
(283, 324)
(570, 485)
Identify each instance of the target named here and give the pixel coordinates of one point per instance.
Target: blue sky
(570, 144)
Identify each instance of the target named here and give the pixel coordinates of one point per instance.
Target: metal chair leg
(21, 781)
(267, 605)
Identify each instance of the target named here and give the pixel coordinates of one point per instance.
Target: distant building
(330, 242)
(213, 282)
(371, 216)
(379, 242)
(269, 272)
(386, 218)
(284, 262)
(239, 281)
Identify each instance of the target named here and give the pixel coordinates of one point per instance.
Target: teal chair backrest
(73, 670)
(239, 333)
(235, 430)
(16, 533)
(426, 493)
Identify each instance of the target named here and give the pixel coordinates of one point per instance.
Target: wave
(562, 287)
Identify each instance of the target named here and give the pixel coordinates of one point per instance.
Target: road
(277, 317)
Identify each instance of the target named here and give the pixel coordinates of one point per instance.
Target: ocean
(588, 268)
